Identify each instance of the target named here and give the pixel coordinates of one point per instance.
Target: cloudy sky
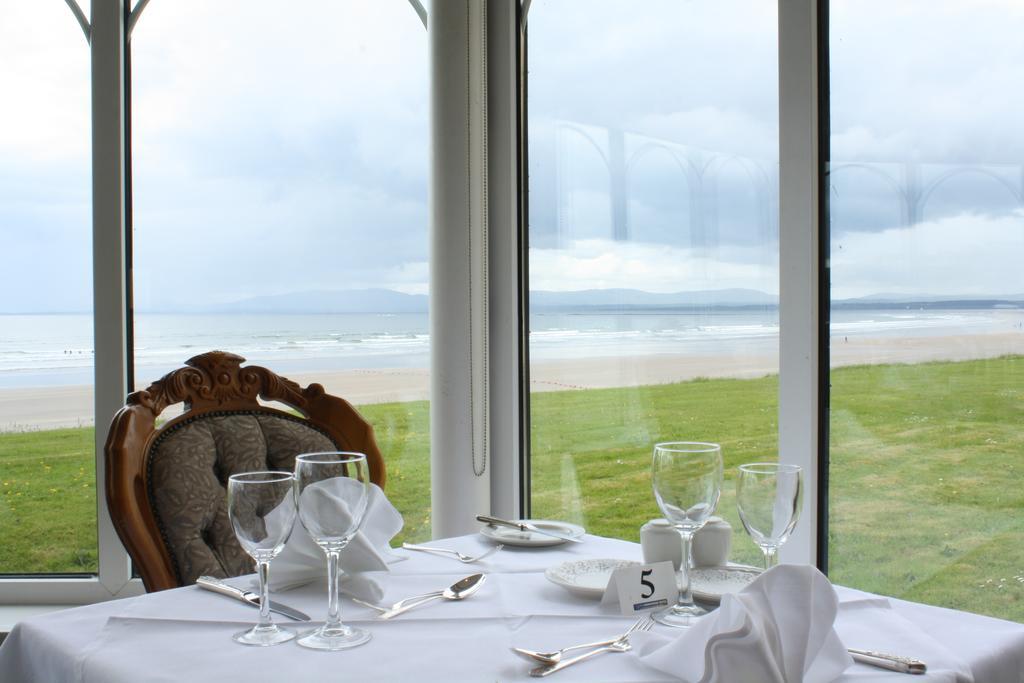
(275, 153)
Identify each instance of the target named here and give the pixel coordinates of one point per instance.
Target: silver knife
(524, 526)
(905, 665)
(211, 583)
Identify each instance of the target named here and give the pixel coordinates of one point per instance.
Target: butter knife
(217, 586)
(905, 665)
(525, 526)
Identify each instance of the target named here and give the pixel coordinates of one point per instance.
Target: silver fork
(459, 556)
(620, 644)
(617, 646)
(643, 624)
(400, 603)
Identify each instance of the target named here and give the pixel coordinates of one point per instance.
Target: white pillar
(799, 244)
(459, 397)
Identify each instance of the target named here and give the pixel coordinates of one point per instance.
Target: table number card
(642, 587)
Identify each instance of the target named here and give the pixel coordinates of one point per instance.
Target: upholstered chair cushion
(189, 465)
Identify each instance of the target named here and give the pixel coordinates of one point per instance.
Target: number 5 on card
(644, 587)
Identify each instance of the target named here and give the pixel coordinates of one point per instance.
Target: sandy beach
(71, 406)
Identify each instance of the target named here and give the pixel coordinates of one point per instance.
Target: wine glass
(687, 481)
(332, 495)
(261, 507)
(768, 496)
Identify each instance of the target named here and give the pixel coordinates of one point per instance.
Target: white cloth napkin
(362, 561)
(779, 629)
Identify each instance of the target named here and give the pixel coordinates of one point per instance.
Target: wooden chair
(166, 486)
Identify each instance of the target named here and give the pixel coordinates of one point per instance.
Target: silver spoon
(459, 590)
(404, 601)
(462, 557)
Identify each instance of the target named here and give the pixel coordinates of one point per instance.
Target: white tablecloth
(185, 634)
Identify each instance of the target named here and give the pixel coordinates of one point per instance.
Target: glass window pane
(927, 321)
(653, 249)
(279, 190)
(47, 461)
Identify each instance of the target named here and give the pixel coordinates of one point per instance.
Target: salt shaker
(661, 542)
(711, 543)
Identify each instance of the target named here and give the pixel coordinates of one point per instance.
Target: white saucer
(510, 536)
(709, 584)
(585, 578)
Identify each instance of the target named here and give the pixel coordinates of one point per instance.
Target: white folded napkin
(779, 629)
(362, 561)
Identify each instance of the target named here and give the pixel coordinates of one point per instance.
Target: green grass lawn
(927, 497)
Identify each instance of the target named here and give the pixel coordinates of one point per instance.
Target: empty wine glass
(332, 497)
(687, 481)
(261, 507)
(768, 496)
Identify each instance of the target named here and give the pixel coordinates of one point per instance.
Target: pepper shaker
(711, 543)
(661, 542)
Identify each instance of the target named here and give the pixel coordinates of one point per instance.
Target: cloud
(604, 264)
(300, 147)
(44, 75)
(275, 237)
(964, 254)
(932, 80)
(717, 129)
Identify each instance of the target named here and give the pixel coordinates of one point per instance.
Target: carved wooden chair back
(166, 485)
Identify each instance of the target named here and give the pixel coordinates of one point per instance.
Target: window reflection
(926, 188)
(653, 249)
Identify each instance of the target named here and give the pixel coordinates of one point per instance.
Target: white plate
(510, 536)
(585, 578)
(589, 578)
(709, 584)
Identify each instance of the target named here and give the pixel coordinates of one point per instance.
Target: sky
(274, 154)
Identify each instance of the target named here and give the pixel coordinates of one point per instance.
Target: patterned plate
(589, 578)
(585, 578)
(711, 583)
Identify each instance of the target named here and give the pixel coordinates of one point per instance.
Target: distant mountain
(914, 298)
(634, 298)
(932, 301)
(390, 301)
(329, 301)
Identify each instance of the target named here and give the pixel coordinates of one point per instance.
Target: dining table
(184, 634)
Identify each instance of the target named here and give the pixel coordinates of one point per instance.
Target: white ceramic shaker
(711, 543)
(661, 542)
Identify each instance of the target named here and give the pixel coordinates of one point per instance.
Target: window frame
(502, 59)
(803, 265)
(108, 41)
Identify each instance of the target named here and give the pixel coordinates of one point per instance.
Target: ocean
(56, 350)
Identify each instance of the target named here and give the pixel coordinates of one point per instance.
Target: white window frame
(106, 32)
(487, 58)
(800, 329)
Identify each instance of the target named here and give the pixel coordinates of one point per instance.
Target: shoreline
(38, 408)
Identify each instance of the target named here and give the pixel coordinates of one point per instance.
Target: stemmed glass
(261, 507)
(768, 496)
(687, 480)
(332, 497)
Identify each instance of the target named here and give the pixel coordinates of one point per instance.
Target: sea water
(53, 350)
